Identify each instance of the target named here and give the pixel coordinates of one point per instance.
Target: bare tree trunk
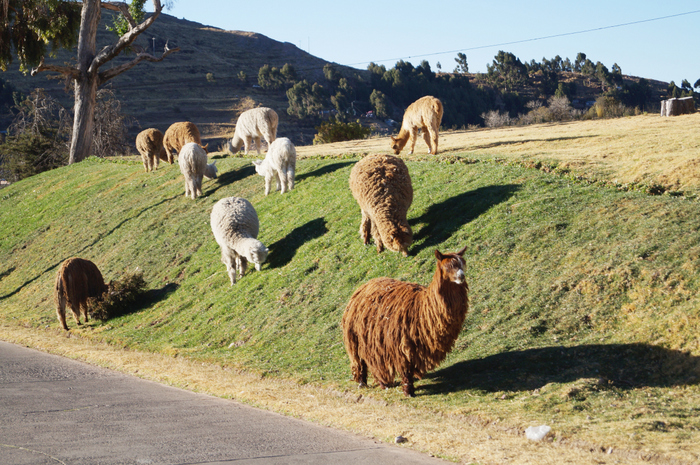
(87, 76)
(85, 83)
(84, 119)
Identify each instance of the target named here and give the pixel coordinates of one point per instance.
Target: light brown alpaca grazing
(149, 143)
(177, 135)
(424, 114)
(77, 280)
(382, 187)
(395, 328)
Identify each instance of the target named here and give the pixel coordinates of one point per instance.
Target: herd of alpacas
(390, 328)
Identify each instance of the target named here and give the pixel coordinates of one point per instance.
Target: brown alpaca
(149, 143)
(177, 135)
(77, 280)
(424, 114)
(382, 187)
(395, 328)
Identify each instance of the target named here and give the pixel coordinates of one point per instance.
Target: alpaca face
(397, 145)
(258, 257)
(401, 239)
(452, 266)
(260, 168)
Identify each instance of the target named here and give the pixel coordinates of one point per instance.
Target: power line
(533, 39)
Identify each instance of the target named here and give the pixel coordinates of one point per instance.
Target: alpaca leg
(76, 312)
(427, 137)
(377, 238)
(228, 260)
(84, 308)
(156, 162)
(198, 187)
(268, 183)
(258, 144)
(241, 265)
(246, 143)
(290, 178)
(360, 373)
(408, 388)
(280, 184)
(357, 365)
(414, 136)
(432, 140)
(61, 311)
(365, 228)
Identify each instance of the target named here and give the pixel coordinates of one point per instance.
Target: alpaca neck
(402, 137)
(236, 143)
(449, 300)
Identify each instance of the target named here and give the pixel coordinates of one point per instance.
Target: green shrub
(337, 131)
(28, 154)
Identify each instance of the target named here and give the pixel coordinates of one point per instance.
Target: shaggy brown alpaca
(149, 143)
(395, 328)
(424, 114)
(77, 280)
(177, 135)
(382, 187)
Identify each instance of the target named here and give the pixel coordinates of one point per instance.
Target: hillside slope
(584, 299)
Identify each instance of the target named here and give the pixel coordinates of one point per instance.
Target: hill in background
(203, 82)
(177, 89)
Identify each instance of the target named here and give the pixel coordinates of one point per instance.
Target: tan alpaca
(424, 114)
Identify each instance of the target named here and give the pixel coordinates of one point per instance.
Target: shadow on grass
(442, 219)
(282, 251)
(143, 301)
(87, 246)
(627, 366)
(230, 177)
(324, 170)
(151, 297)
(525, 141)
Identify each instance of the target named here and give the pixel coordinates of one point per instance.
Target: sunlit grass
(584, 308)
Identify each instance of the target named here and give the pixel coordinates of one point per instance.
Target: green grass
(581, 296)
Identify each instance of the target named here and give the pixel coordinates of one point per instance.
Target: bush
(495, 119)
(337, 131)
(28, 154)
(118, 300)
(37, 139)
(111, 126)
(610, 107)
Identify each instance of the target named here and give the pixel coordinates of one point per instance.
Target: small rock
(537, 433)
(400, 439)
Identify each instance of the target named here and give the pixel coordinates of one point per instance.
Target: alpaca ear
(438, 255)
(257, 162)
(393, 139)
(461, 252)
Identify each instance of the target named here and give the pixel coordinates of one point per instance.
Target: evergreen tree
(462, 65)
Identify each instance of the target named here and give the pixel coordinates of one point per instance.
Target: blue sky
(361, 31)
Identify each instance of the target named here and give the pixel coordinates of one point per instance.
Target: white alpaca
(252, 125)
(280, 163)
(235, 225)
(193, 166)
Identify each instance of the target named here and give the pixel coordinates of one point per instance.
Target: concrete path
(58, 411)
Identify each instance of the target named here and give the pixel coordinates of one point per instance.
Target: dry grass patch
(458, 436)
(641, 149)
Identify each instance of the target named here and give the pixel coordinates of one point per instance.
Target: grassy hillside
(584, 297)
